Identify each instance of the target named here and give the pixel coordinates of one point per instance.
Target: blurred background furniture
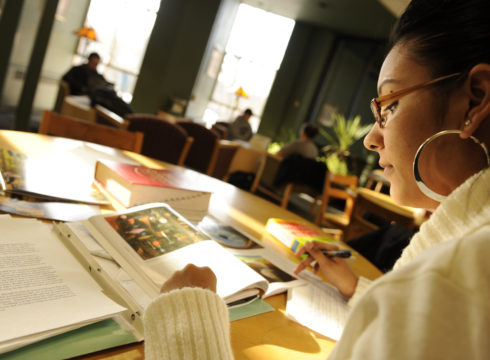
(163, 140)
(203, 153)
(221, 129)
(279, 178)
(336, 188)
(78, 106)
(107, 117)
(65, 126)
(377, 181)
(63, 92)
(226, 154)
(373, 210)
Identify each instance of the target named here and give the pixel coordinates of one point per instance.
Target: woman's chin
(411, 197)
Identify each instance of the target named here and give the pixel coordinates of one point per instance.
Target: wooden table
(267, 336)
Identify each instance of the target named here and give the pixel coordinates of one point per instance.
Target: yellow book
(294, 234)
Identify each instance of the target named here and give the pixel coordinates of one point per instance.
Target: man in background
(85, 80)
(240, 129)
(304, 146)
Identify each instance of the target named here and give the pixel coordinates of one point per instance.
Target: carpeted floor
(7, 118)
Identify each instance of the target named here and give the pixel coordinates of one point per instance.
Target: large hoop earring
(418, 179)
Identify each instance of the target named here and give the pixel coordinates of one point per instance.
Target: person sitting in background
(303, 146)
(240, 129)
(434, 100)
(84, 79)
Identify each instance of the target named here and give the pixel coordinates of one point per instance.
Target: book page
(276, 269)
(319, 307)
(42, 286)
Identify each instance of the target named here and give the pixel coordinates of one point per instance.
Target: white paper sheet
(42, 286)
(318, 307)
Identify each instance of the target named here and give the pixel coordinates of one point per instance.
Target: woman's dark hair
(447, 36)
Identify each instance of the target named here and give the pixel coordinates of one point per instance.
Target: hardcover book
(133, 185)
(21, 175)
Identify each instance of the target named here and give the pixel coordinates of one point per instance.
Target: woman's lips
(388, 169)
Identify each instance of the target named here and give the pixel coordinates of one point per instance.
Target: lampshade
(87, 32)
(241, 92)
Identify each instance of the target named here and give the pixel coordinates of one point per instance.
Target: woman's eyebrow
(386, 81)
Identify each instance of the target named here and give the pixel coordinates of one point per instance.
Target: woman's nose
(373, 140)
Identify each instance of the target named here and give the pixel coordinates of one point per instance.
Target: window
(123, 28)
(252, 57)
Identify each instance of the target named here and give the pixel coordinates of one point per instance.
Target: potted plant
(344, 133)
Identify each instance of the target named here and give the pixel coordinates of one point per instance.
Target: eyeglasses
(378, 102)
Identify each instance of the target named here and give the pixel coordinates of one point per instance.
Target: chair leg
(286, 195)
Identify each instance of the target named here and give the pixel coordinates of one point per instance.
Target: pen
(337, 253)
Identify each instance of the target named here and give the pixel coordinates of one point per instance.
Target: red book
(136, 184)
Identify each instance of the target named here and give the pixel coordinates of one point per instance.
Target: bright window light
(253, 54)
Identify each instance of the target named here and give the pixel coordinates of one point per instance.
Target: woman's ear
(479, 92)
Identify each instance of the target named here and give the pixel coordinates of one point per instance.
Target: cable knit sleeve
(362, 285)
(189, 323)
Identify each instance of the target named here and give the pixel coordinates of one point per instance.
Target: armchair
(163, 140)
(204, 150)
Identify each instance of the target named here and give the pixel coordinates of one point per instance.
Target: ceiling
(360, 18)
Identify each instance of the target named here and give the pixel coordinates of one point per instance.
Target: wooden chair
(376, 180)
(221, 130)
(64, 126)
(373, 210)
(265, 179)
(336, 187)
(204, 150)
(163, 140)
(226, 154)
(63, 92)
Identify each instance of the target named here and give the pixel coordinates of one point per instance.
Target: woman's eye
(392, 107)
(387, 111)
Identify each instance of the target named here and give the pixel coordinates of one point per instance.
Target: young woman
(432, 126)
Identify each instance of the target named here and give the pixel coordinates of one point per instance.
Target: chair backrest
(221, 130)
(373, 210)
(224, 159)
(341, 187)
(63, 91)
(65, 126)
(204, 150)
(280, 178)
(163, 140)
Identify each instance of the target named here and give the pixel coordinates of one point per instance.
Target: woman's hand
(335, 270)
(191, 276)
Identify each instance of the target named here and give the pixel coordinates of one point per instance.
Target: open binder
(130, 278)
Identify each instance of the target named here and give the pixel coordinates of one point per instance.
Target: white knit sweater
(447, 283)
(464, 209)
(190, 324)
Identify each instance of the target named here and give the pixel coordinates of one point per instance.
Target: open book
(150, 242)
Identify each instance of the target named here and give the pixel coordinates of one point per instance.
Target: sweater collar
(467, 208)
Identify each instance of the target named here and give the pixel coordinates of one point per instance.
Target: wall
(58, 57)
(174, 53)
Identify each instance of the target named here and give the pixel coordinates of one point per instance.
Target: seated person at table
(240, 128)
(84, 79)
(434, 88)
(304, 146)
